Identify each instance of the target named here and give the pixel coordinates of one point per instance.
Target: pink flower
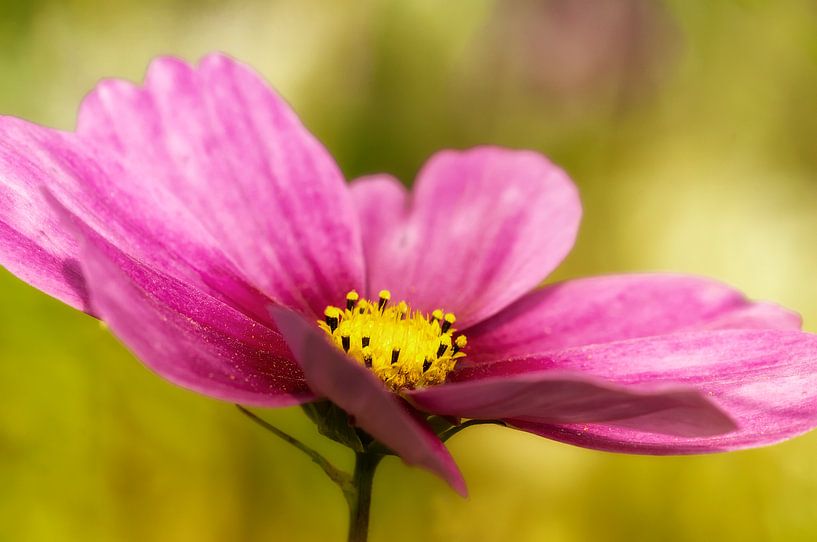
(210, 230)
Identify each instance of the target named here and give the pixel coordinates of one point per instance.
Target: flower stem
(341, 478)
(445, 435)
(356, 488)
(360, 497)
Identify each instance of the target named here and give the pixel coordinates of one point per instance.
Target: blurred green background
(690, 128)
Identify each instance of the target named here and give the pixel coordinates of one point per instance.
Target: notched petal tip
(209, 137)
(503, 218)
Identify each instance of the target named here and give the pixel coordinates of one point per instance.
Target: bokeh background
(690, 127)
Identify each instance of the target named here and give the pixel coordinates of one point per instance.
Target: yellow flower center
(404, 348)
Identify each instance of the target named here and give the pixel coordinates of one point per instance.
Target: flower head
(217, 238)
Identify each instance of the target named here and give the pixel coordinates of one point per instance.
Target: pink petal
(357, 391)
(381, 203)
(609, 308)
(136, 215)
(219, 141)
(186, 336)
(482, 227)
(557, 397)
(765, 380)
(757, 315)
(33, 245)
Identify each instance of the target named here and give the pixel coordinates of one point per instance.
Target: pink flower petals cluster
(208, 228)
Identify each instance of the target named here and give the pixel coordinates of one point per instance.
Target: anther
(351, 300)
(426, 365)
(437, 315)
(364, 341)
(459, 344)
(346, 341)
(384, 295)
(445, 342)
(332, 316)
(395, 355)
(449, 321)
(367, 360)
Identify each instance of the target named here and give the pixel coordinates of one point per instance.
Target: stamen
(449, 321)
(384, 295)
(405, 349)
(437, 315)
(351, 300)
(332, 317)
(459, 344)
(445, 342)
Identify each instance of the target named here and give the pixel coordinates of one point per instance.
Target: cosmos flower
(219, 241)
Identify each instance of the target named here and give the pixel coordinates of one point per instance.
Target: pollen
(404, 348)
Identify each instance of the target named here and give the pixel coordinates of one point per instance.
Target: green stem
(341, 478)
(445, 435)
(360, 497)
(356, 488)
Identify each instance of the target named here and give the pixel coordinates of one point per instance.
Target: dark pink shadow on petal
(764, 379)
(559, 397)
(354, 388)
(180, 332)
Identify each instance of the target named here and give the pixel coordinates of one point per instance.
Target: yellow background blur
(690, 128)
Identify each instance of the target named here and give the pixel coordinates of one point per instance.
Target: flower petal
(186, 336)
(765, 380)
(381, 202)
(142, 218)
(610, 308)
(218, 139)
(33, 245)
(357, 391)
(481, 228)
(557, 397)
